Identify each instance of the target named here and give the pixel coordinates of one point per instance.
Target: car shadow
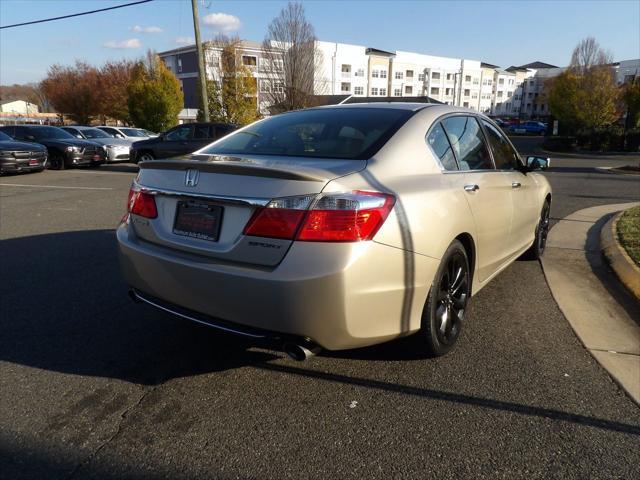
(65, 308)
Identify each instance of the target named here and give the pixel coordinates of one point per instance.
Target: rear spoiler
(231, 166)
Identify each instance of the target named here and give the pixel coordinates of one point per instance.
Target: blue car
(532, 128)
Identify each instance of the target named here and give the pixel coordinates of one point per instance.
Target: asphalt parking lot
(94, 386)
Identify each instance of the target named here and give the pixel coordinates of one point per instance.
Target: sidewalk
(598, 308)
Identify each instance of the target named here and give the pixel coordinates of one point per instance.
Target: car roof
(412, 106)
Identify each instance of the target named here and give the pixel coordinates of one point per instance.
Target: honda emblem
(191, 178)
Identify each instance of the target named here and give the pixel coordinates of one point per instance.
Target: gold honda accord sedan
(335, 227)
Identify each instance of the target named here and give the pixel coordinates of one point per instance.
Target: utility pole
(202, 72)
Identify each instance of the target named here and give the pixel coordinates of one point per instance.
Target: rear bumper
(337, 295)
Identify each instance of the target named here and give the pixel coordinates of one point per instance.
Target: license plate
(198, 220)
(33, 162)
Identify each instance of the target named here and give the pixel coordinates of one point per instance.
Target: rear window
(356, 133)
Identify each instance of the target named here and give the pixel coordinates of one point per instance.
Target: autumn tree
(291, 59)
(631, 96)
(74, 90)
(585, 96)
(154, 95)
(232, 93)
(115, 77)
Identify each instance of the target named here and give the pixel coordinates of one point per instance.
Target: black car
(180, 140)
(64, 150)
(20, 156)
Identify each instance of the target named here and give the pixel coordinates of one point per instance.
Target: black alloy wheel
(542, 232)
(56, 161)
(443, 317)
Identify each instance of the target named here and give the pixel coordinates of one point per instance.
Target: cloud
(185, 40)
(131, 43)
(151, 29)
(222, 22)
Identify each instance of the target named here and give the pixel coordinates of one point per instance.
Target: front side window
(504, 155)
(440, 146)
(355, 133)
(467, 141)
(201, 131)
(180, 133)
(94, 133)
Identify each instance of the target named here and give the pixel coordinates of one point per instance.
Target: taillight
(333, 217)
(142, 204)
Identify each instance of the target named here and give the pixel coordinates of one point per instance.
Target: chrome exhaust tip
(300, 353)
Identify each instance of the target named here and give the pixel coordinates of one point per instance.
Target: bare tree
(291, 60)
(587, 55)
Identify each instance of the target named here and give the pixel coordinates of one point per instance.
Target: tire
(443, 314)
(536, 250)
(56, 161)
(144, 157)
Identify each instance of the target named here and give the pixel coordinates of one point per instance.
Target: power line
(74, 15)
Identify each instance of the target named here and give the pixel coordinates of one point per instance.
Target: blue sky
(499, 32)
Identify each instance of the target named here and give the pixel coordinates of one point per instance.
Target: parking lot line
(53, 186)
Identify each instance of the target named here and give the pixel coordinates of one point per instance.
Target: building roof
(375, 51)
(538, 65)
(513, 68)
(488, 65)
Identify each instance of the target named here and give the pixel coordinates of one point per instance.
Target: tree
(291, 59)
(587, 55)
(114, 80)
(585, 96)
(232, 94)
(631, 96)
(73, 90)
(154, 96)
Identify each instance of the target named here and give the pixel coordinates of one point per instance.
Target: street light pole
(202, 73)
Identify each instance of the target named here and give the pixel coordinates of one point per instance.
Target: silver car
(336, 227)
(117, 149)
(128, 133)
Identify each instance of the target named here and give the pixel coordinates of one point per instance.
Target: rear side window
(440, 146)
(202, 131)
(504, 155)
(179, 133)
(467, 141)
(348, 133)
(9, 131)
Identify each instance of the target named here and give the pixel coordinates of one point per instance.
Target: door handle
(516, 184)
(471, 187)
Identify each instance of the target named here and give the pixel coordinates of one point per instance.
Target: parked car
(64, 150)
(128, 133)
(117, 148)
(21, 156)
(529, 127)
(335, 227)
(180, 140)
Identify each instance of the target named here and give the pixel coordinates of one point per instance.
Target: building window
(383, 74)
(449, 76)
(383, 92)
(474, 95)
(501, 81)
(249, 60)
(398, 75)
(509, 94)
(345, 87)
(467, 92)
(397, 92)
(500, 94)
(476, 81)
(374, 91)
(467, 78)
(265, 86)
(359, 72)
(435, 76)
(278, 87)
(358, 90)
(375, 73)
(409, 74)
(435, 91)
(421, 77)
(346, 68)
(408, 90)
(448, 91)
(465, 104)
(179, 65)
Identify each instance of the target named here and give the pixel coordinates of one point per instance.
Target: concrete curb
(623, 266)
(594, 303)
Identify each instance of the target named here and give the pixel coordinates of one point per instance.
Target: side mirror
(79, 136)
(538, 163)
